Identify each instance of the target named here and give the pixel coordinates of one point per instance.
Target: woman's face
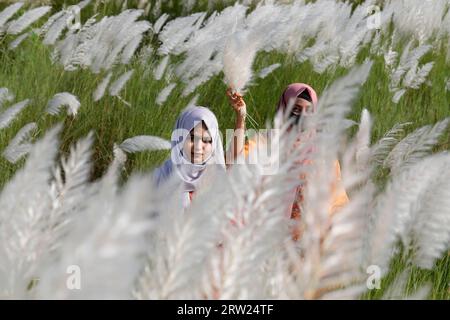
(301, 106)
(198, 144)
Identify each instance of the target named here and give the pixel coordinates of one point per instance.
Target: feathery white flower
(164, 94)
(398, 95)
(415, 146)
(118, 85)
(363, 139)
(267, 70)
(20, 145)
(14, 44)
(28, 18)
(430, 228)
(159, 71)
(6, 95)
(8, 12)
(238, 56)
(183, 242)
(25, 221)
(63, 99)
(10, 114)
(144, 143)
(117, 222)
(56, 28)
(160, 22)
(380, 150)
(101, 88)
(49, 23)
(175, 32)
(100, 45)
(130, 49)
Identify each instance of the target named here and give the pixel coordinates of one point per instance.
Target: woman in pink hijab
(304, 100)
(302, 96)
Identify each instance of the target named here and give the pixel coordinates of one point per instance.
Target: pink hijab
(292, 91)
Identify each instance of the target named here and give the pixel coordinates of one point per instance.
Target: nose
(198, 144)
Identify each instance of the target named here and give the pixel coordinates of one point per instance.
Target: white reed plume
(130, 49)
(25, 228)
(428, 232)
(164, 94)
(63, 99)
(99, 45)
(14, 44)
(6, 95)
(7, 116)
(175, 32)
(118, 85)
(159, 71)
(380, 150)
(20, 145)
(238, 56)
(28, 18)
(144, 143)
(101, 88)
(415, 146)
(184, 240)
(107, 236)
(268, 70)
(413, 204)
(160, 22)
(8, 12)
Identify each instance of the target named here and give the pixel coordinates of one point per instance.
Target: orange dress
(339, 196)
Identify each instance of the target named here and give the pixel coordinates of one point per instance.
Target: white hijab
(189, 174)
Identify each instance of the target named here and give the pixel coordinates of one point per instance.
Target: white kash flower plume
(118, 85)
(63, 99)
(20, 145)
(183, 240)
(14, 44)
(6, 95)
(160, 22)
(363, 139)
(429, 230)
(159, 71)
(100, 90)
(415, 209)
(380, 150)
(10, 114)
(238, 56)
(144, 143)
(130, 49)
(164, 94)
(268, 70)
(8, 12)
(100, 45)
(108, 238)
(28, 18)
(26, 228)
(415, 146)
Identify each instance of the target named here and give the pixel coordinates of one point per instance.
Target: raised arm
(238, 141)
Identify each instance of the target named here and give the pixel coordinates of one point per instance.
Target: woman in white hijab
(196, 144)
